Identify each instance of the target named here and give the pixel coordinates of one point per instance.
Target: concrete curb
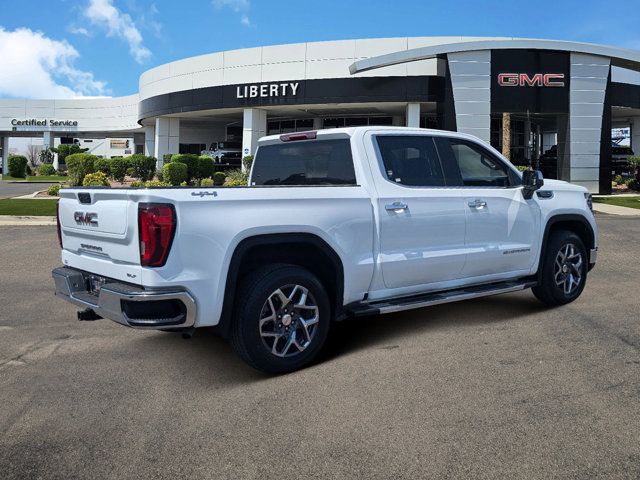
(16, 220)
(33, 196)
(615, 209)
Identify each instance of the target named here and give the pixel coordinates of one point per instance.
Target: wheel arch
(575, 223)
(303, 249)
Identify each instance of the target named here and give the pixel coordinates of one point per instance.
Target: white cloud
(104, 15)
(235, 5)
(238, 6)
(78, 30)
(35, 66)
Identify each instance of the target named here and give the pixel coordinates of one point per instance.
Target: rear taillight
(292, 137)
(156, 228)
(58, 223)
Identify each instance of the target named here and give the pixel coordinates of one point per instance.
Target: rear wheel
(564, 269)
(281, 319)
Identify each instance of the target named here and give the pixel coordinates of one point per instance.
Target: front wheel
(281, 318)
(564, 269)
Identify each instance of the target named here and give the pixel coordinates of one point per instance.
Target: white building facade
(562, 99)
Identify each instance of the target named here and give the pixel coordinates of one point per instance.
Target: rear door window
(411, 160)
(312, 162)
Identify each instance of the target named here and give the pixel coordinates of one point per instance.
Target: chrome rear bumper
(127, 304)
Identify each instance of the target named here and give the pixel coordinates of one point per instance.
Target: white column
(471, 82)
(413, 115)
(5, 155)
(166, 138)
(317, 123)
(589, 74)
(254, 127)
(150, 141)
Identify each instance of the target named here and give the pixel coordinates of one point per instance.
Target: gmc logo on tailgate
(536, 80)
(86, 218)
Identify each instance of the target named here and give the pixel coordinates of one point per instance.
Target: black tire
(548, 291)
(251, 306)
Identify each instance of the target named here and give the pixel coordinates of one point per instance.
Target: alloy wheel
(289, 320)
(567, 269)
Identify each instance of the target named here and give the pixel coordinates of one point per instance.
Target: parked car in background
(226, 154)
(335, 224)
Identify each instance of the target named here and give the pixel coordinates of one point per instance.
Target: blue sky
(64, 48)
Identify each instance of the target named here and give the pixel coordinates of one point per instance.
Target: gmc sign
(536, 80)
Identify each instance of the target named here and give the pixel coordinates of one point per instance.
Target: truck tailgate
(99, 232)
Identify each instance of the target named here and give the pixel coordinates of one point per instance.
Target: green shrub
(247, 162)
(137, 184)
(205, 166)
(236, 178)
(191, 161)
(219, 178)
(633, 163)
(46, 169)
(130, 170)
(29, 171)
(174, 173)
(632, 184)
(65, 150)
(118, 167)
(206, 182)
(617, 179)
(54, 190)
(143, 167)
(166, 158)
(17, 166)
(98, 179)
(103, 165)
(79, 165)
(152, 183)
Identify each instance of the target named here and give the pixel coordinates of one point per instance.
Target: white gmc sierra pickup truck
(335, 224)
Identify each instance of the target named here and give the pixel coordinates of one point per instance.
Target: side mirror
(532, 180)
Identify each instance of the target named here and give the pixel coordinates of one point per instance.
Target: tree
(65, 150)
(33, 154)
(46, 155)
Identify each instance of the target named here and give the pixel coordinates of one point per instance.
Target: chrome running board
(438, 298)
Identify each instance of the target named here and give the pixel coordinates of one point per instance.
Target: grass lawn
(38, 178)
(631, 202)
(11, 206)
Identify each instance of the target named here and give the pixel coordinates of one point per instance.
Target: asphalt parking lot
(493, 388)
(14, 189)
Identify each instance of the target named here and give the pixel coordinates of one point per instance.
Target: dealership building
(559, 101)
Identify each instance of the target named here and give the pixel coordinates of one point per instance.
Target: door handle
(477, 204)
(396, 207)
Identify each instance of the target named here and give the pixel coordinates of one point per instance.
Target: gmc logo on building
(536, 80)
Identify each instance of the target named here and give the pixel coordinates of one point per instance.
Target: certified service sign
(33, 122)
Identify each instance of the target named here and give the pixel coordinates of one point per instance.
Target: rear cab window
(307, 162)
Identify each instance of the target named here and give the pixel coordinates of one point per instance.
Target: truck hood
(560, 185)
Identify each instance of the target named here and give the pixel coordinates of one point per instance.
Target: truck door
(501, 229)
(421, 220)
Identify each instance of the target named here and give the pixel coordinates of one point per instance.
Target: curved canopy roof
(620, 57)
